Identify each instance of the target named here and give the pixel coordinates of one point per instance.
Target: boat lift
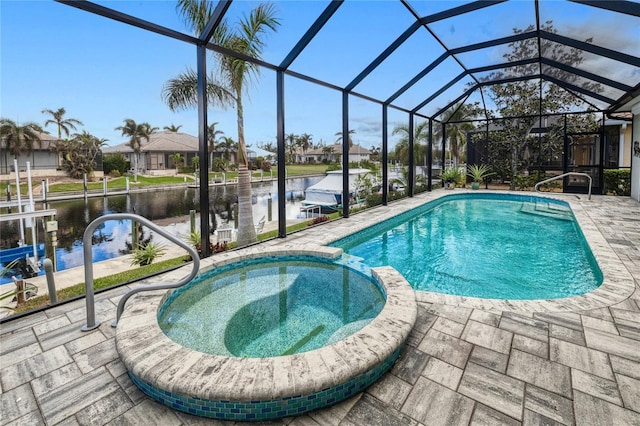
(26, 216)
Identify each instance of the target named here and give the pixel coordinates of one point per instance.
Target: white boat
(327, 193)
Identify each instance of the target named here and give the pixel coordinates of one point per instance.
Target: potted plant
(450, 177)
(478, 173)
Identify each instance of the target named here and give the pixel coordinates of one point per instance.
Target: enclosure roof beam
(574, 88)
(586, 74)
(465, 95)
(626, 7)
(418, 77)
(494, 42)
(440, 91)
(384, 55)
(459, 10)
(449, 13)
(627, 97)
(324, 17)
(591, 48)
(130, 20)
(214, 21)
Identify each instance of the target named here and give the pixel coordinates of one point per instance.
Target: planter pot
(475, 185)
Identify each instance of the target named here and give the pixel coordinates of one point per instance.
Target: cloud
(367, 126)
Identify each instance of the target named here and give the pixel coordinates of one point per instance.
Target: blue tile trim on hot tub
(266, 410)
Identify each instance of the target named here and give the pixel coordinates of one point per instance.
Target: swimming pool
(270, 307)
(501, 246)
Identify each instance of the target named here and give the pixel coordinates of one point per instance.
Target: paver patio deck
(466, 362)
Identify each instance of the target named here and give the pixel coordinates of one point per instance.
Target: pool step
(300, 343)
(551, 210)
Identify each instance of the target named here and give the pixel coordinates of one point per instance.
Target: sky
(102, 71)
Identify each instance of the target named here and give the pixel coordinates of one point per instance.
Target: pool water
(485, 245)
(272, 307)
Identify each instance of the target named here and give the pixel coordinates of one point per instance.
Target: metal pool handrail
(562, 176)
(88, 266)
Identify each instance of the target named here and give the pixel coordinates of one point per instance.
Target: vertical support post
(44, 190)
(601, 155)
(345, 154)
(54, 246)
(205, 234)
(385, 154)
(565, 157)
(51, 284)
(430, 157)
(32, 208)
(282, 189)
(104, 186)
(269, 208)
(444, 146)
(134, 235)
(17, 171)
(412, 161)
(192, 221)
(126, 180)
(84, 184)
(9, 193)
(235, 215)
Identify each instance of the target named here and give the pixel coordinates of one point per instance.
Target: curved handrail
(88, 266)
(562, 176)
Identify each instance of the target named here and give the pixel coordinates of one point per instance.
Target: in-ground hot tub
(280, 363)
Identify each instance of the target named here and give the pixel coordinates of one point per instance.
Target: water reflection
(169, 208)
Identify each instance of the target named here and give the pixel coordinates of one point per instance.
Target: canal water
(169, 208)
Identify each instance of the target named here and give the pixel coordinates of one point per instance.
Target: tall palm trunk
(246, 229)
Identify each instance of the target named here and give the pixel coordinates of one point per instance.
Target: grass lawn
(292, 170)
(120, 182)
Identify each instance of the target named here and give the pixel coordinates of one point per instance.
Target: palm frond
(181, 92)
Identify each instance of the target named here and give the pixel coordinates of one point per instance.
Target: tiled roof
(161, 141)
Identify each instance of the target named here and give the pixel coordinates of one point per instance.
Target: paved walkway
(464, 363)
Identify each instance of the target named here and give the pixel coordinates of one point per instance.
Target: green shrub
(146, 254)
(115, 162)
(617, 182)
(527, 182)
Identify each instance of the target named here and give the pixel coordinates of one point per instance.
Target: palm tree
(212, 135)
(327, 151)
(291, 140)
(19, 139)
(339, 137)
(64, 124)
(172, 128)
(228, 145)
(305, 142)
(375, 153)
(80, 152)
(456, 132)
(177, 160)
(136, 133)
(180, 92)
(148, 129)
(420, 138)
